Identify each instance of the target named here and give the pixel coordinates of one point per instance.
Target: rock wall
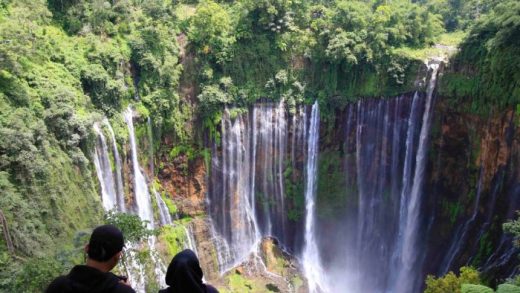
(474, 184)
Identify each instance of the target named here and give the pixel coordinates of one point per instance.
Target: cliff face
(185, 181)
(473, 187)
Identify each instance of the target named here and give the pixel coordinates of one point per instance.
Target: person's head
(184, 273)
(105, 246)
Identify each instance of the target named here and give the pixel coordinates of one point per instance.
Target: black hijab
(184, 274)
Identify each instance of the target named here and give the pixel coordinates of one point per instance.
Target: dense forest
(184, 66)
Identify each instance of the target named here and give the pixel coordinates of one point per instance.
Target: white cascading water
(385, 157)
(190, 240)
(312, 265)
(164, 214)
(407, 180)
(143, 199)
(141, 193)
(165, 217)
(462, 231)
(104, 171)
(408, 261)
(246, 196)
(236, 161)
(119, 177)
(134, 269)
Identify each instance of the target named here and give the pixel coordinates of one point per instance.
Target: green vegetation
(484, 74)
(237, 283)
(508, 288)
(131, 225)
(62, 66)
(174, 236)
(452, 283)
(470, 288)
(298, 51)
(294, 192)
(467, 282)
(451, 210)
(331, 185)
(514, 228)
(66, 64)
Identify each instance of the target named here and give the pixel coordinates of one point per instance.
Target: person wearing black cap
(184, 275)
(103, 253)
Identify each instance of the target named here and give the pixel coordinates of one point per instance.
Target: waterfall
(235, 220)
(104, 171)
(407, 279)
(459, 237)
(270, 136)
(407, 173)
(164, 213)
(112, 193)
(190, 240)
(119, 178)
(246, 197)
(115, 200)
(385, 147)
(311, 258)
(144, 205)
(141, 193)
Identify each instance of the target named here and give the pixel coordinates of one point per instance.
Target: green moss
(331, 197)
(451, 210)
(297, 283)
(174, 236)
(485, 248)
(294, 191)
(237, 283)
(172, 208)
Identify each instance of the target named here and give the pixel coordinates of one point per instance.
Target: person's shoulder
(211, 289)
(122, 288)
(60, 284)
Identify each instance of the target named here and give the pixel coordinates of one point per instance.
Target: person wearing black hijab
(184, 275)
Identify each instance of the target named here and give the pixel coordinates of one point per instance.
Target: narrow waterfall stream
(143, 199)
(462, 231)
(133, 267)
(121, 206)
(112, 195)
(141, 192)
(312, 265)
(407, 278)
(104, 171)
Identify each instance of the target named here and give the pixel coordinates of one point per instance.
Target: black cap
(105, 242)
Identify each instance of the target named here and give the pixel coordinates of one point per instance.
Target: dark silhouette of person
(104, 251)
(184, 275)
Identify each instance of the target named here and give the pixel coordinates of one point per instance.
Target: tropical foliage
(66, 64)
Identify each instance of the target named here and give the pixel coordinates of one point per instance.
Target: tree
(471, 288)
(451, 283)
(211, 31)
(131, 225)
(513, 227)
(214, 96)
(508, 288)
